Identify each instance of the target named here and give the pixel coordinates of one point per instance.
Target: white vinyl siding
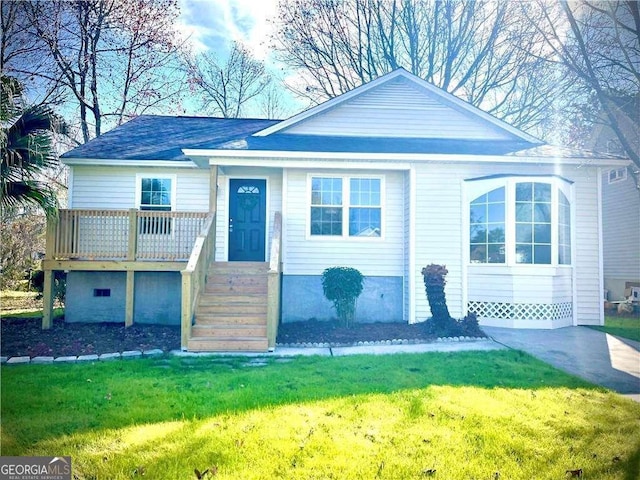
(406, 185)
(115, 188)
(274, 204)
(310, 255)
(398, 108)
(621, 234)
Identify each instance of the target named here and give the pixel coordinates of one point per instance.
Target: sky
(210, 25)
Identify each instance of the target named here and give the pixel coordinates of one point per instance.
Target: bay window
(515, 220)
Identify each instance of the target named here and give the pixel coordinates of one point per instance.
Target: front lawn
(627, 327)
(482, 415)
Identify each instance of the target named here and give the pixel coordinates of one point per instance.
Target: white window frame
(346, 205)
(156, 176)
(619, 174)
(478, 187)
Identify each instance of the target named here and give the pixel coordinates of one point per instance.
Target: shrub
(343, 286)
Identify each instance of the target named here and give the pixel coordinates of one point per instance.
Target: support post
(133, 234)
(47, 294)
(273, 307)
(213, 189)
(129, 299)
(186, 311)
(47, 297)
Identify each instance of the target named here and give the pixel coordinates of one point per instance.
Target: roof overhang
(316, 159)
(108, 162)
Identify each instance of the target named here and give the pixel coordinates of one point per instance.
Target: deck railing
(194, 277)
(125, 234)
(273, 282)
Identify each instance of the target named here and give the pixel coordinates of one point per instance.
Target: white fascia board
(329, 104)
(129, 163)
(286, 158)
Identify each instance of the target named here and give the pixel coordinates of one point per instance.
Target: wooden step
(228, 331)
(233, 288)
(232, 299)
(232, 308)
(239, 268)
(222, 344)
(230, 319)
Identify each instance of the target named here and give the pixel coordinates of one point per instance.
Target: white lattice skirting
(521, 311)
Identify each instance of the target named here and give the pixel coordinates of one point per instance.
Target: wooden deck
(226, 306)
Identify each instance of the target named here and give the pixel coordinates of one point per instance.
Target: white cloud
(211, 24)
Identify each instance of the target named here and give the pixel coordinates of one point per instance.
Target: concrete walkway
(612, 362)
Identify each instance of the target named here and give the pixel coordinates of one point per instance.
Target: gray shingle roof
(156, 137)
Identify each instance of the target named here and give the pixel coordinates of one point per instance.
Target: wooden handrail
(273, 282)
(124, 234)
(194, 276)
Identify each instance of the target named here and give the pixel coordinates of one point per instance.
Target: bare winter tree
(227, 85)
(599, 43)
(478, 50)
(113, 58)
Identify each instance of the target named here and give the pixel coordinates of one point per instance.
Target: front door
(247, 220)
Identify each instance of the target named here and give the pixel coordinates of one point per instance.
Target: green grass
(466, 415)
(627, 327)
(17, 304)
(57, 313)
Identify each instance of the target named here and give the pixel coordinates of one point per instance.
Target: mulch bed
(23, 336)
(313, 331)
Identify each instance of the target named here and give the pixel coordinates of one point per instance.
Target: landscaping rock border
(132, 354)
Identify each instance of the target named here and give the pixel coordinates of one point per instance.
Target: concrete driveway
(600, 358)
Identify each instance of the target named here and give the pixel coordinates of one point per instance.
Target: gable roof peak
(421, 84)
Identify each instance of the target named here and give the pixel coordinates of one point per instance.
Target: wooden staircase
(231, 314)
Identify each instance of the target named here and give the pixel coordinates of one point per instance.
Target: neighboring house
(620, 203)
(387, 178)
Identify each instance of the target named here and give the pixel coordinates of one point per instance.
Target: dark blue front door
(247, 220)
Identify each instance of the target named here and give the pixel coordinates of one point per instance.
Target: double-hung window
(346, 206)
(156, 193)
(519, 221)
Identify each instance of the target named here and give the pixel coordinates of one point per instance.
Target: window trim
(346, 205)
(158, 176)
(479, 186)
(620, 175)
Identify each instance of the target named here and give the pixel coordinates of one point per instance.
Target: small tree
(434, 282)
(343, 286)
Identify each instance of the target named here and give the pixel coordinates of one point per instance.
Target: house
(226, 225)
(620, 202)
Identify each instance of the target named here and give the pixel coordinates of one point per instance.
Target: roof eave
(267, 157)
(110, 162)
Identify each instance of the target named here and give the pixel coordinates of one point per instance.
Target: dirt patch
(24, 336)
